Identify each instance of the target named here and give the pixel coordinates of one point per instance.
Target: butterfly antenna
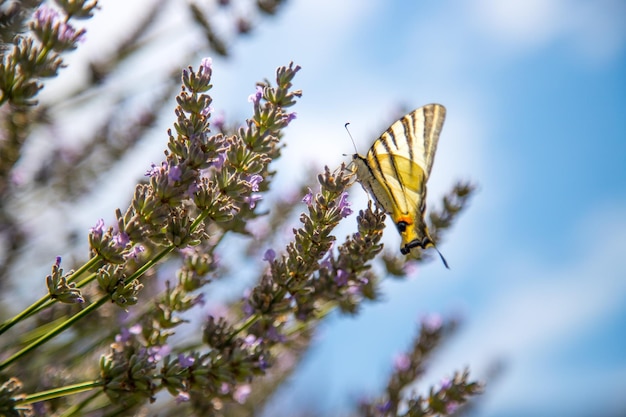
(445, 263)
(351, 138)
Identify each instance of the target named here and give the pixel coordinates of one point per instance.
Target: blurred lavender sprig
(408, 367)
(33, 56)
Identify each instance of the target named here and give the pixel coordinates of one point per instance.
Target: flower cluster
(35, 57)
(59, 288)
(207, 182)
(28, 57)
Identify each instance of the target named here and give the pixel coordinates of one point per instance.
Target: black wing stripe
(408, 123)
(385, 183)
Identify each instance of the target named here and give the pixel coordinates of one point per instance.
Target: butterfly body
(396, 168)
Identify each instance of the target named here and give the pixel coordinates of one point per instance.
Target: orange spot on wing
(407, 220)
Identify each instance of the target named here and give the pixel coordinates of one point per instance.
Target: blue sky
(536, 98)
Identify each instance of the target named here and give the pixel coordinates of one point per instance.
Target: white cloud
(522, 22)
(595, 29)
(536, 311)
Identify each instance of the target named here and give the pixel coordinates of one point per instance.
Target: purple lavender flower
(57, 261)
(274, 335)
(402, 362)
(326, 261)
(134, 252)
(451, 407)
(342, 277)
(154, 170)
(252, 200)
(308, 198)
(46, 16)
(269, 255)
(384, 407)
(254, 181)
(241, 393)
(182, 397)
(218, 163)
(250, 340)
(67, 33)
(224, 388)
(126, 333)
(432, 322)
(206, 65)
(446, 383)
(256, 97)
(192, 189)
(185, 361)
(344, 205)
(48, 21)
(98, 229)
(156, 353)
(206, 111)
(290, 116)
(246, 307)
(174, 173)
(121, 239)
(199, 300)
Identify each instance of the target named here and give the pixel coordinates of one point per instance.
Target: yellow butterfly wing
(396, 169)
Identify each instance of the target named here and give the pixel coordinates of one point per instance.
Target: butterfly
(396, 169)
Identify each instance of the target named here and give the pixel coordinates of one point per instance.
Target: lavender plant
(103, 339)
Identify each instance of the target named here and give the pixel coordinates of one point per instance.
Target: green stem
(45, 301)
(24, 314)
(86, 267)
(54, 332)
(59, 392)
(81, 314)
(149, 264)
(73, 410)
